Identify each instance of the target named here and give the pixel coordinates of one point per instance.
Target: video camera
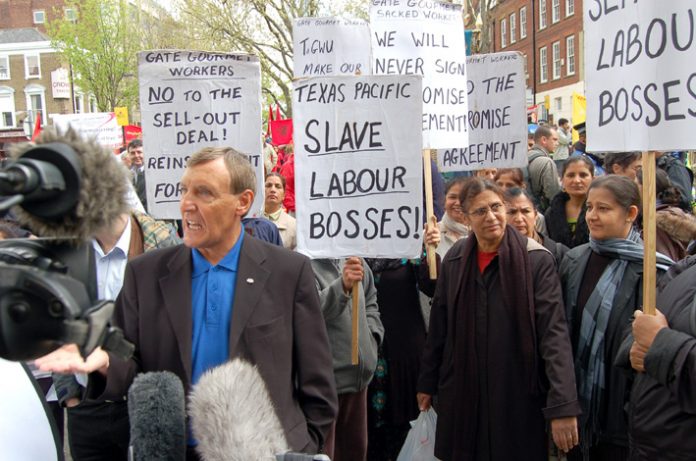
(48, 290)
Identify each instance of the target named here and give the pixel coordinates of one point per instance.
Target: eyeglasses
(524, 211)
(496, 208)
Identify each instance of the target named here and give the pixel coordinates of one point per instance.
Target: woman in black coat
(565, 217)
(602, 287)
(499, 360)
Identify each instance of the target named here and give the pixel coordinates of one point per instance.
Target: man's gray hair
(242, 176)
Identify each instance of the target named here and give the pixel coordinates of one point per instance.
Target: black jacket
(557, 223)
(662, 407)
(613, 420)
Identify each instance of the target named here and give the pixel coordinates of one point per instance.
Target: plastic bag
(420, 441)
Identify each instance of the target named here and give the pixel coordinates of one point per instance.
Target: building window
(542, 14)
(526, 71)
(555, 11)
(4, 67)
(92, 103)
(503, 33)
(543, 65)
(558, 103)
(79, 102)
(570, 7)
(36, 102)
(513, 28)
(70, 14)
(39, 16)
(570, 55)
(7, 107)
(556, 50)
(523, 22)
(32, 65)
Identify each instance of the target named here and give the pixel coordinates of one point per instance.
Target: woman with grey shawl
(602, 287)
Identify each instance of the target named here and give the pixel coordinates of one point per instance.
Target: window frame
(8, 92)
(570, 55)
(570, 8)
(555, 11)
(513, 27)
(6, 58)
(556, 66)
(36, 90)
(503, 33)
(27, 75)
(542, 15)
(523, 24)
(543, 65)
(68, 12)
(34, 14)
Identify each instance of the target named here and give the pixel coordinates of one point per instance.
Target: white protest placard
(497, 119)
(101, 126)
(426, 38)
(639, 75)
(195, 99)
(331, 46)
(359, 181)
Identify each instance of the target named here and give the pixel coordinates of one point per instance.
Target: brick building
(549, 34)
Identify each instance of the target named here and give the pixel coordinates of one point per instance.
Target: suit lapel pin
(250, 280)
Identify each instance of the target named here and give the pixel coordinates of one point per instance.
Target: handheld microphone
(157, 417)
(232, 415)
(66, 186)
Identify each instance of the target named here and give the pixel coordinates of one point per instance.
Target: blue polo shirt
(212, 293)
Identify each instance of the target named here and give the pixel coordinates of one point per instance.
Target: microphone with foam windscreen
(232, 415)
(66, 186)
(157, 417)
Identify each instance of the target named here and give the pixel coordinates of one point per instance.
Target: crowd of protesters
(529, 342)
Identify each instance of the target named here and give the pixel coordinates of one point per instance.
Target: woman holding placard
(565, 217)
(274, 211)
(602, 287)
(497, 355)
(452, 227)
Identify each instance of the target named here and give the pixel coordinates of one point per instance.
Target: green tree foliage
(101, 46)
(260, 27)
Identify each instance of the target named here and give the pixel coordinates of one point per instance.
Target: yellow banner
(121, 115)
(579, 111)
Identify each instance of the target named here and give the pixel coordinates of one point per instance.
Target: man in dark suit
(222, 295)
(137, 161)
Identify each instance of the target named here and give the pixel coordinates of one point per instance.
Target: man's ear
(246, 198)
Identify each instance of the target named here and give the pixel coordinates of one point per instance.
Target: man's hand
(645, 327)
(638, 357)
(565, 433)
(67, 359)
(424, 401)
(352, 273)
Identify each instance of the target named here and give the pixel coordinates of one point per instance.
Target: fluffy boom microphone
(157, 417)
(232, 416)
(79, 186)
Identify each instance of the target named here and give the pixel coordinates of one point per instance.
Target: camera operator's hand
(67, 359)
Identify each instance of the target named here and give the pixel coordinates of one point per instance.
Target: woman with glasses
(523, 216)
(497, 357)
(602, 287)
(565, 217)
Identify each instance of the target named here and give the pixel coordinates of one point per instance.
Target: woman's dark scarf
(518, 295)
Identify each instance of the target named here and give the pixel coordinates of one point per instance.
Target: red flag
(278, 116)
(37, 127)
(282, 132)
(270, 119)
